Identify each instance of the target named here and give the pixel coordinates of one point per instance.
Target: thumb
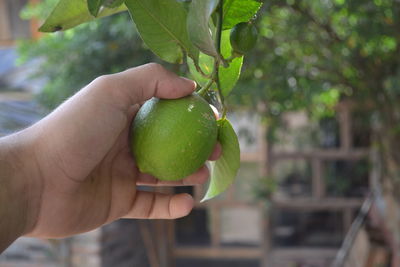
(142, 83)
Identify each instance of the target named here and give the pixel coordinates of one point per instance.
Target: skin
(73, 171)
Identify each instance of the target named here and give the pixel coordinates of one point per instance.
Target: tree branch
(326, 27)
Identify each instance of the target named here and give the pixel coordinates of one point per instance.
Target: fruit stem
(219, 27)
(218, 46)
(206, 87)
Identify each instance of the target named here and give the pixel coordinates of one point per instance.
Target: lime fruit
(172, 138)
(243, 37)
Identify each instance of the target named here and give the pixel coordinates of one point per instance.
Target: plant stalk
(204, 90)
(217, 62)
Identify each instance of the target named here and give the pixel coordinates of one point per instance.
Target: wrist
(20, 188)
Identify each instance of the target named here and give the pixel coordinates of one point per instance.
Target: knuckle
(155, 68)
(103, 81)
(108, 87)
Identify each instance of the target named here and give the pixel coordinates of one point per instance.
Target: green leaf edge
(205, 45)
(94, 7)
(50, 26)
(225, 128)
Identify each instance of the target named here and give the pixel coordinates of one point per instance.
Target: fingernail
(194, 84)
(182, 205)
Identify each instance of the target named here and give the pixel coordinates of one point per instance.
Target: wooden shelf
(353, 154)
(315, 204)
(303, 252)
(210, 252)
(252, 157)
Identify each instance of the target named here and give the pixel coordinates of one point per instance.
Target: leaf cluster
(311, 54)
(70, 60)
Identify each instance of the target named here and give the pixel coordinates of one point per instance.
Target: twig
(204, 90)
(352, 234)
(326, 27)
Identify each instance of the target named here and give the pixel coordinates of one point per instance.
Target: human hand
(85, 173)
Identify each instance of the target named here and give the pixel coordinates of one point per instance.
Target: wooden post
(34, 23)
(318, 185)
(347, 218)
(215, 226)
(345, 127)
(5, 33)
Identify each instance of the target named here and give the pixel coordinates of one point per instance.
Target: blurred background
(317, 111)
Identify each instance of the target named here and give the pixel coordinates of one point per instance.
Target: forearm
(19, 194)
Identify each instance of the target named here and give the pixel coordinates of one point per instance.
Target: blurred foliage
(312, 53)
(39, 11)
(69, 60)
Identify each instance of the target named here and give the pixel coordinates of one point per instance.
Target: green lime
(172, 138)
(243, 37)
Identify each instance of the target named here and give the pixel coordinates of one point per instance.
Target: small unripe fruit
(243, 37)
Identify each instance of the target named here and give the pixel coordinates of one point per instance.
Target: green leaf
(224, 170)
(236, 11)
(162, 26)
(94, 6)
(113, 3)
(206, 63)
(229, 76)
(70, 13)
(200, 12)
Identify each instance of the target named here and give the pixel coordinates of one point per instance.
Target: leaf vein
(181, 43)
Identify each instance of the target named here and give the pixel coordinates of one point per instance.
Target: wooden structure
(310, 216)
(12, 27)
